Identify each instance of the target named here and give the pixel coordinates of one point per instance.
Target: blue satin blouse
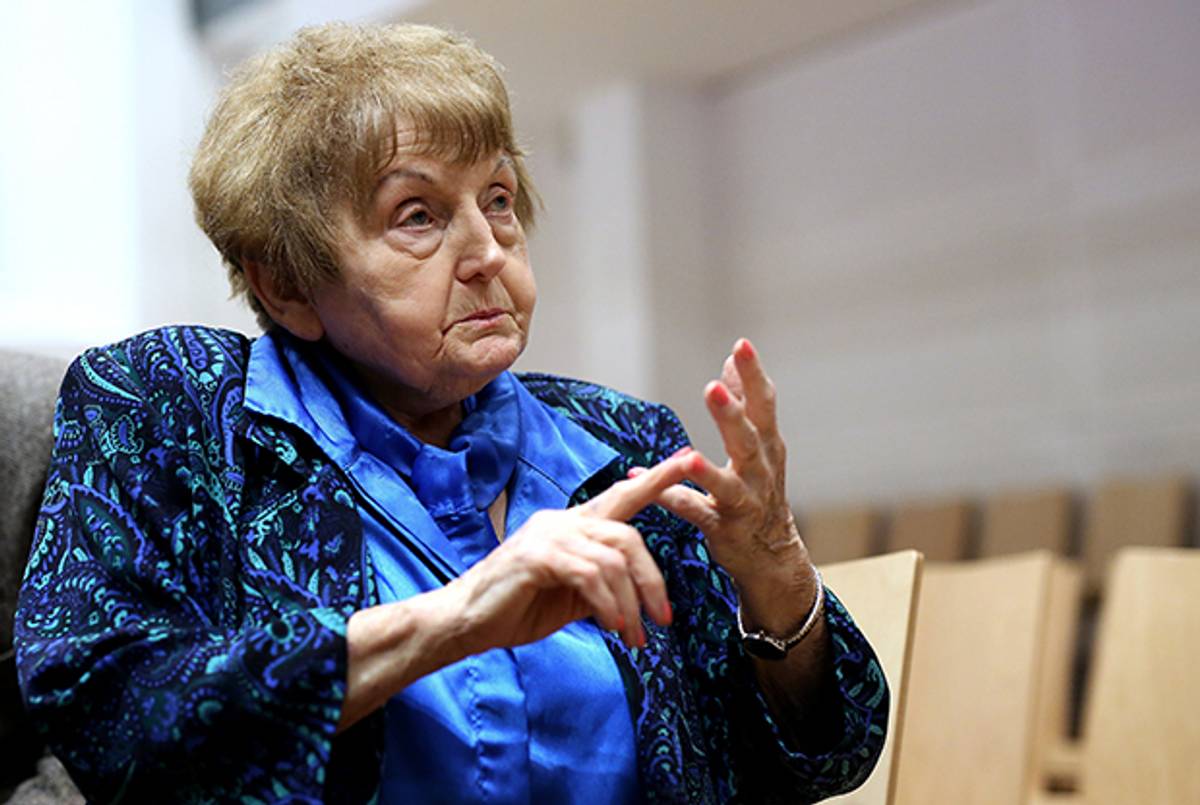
(544, 722)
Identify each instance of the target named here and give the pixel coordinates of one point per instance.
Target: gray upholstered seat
(28, 388)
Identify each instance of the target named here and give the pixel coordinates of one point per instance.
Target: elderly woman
(358, 557)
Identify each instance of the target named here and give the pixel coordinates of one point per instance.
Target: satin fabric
(545, 722)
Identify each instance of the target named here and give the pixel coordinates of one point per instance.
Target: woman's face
(436, 292)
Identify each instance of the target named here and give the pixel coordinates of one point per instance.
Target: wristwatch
(768, 647)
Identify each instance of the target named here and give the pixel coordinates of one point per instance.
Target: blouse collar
(287, 379)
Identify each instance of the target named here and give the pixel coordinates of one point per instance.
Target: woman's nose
(480, 255)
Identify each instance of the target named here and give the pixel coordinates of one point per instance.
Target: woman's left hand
(750, 531)
(745, 516)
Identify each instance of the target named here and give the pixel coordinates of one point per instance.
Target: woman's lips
(483, 318)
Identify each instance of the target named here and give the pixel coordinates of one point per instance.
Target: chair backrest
(1016, 522)
(972, 688)
(938, 530)
(839, 534)
(1056, 674)
(881, 593)
(1142, 725)
(1150, 512)
(28, 387)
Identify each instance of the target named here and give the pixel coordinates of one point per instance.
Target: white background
(965, 235)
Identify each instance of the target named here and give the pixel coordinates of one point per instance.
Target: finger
(725, 486)
(738, 433)
(642, 569)
(695, 507)
(587, 580)
(614, 570)
(758, 390)
(626, 498)
(731, 378)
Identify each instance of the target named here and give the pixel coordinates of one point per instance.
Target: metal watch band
(768, 647)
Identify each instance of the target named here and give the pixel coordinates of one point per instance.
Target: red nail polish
(683, 451)
(720, 395)
(668, 614)
(620, 622)
(746, 349)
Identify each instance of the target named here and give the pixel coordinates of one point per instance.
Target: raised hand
(745, 514)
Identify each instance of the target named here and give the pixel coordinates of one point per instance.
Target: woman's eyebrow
(504, 161)
(403, 173)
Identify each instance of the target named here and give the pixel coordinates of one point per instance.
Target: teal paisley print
(181, 627)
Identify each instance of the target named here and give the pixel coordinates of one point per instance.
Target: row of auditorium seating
(979, 661)
(1089, 527)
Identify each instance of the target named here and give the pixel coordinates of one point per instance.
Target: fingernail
(683, 451)
(745, 348)
(641, 637)
(635, 472)
(668, 615)
(720, 395)
(620, 623)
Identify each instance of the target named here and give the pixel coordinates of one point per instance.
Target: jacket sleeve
(131, 653)
(840, 747)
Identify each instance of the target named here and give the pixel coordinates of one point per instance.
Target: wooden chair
(881, 593)
(1055, 752)
(937, 530)
(1150, 512)
(1142, 728)
(968, 736)
(1017, 522)
(839, 534)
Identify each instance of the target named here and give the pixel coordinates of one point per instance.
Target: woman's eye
(415, 219)
(501, 204)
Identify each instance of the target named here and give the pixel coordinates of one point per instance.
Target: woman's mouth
(484, 317)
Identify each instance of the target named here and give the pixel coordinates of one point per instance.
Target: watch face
(762, 648)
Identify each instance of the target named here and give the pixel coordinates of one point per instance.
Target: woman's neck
(433, 428)
(430, 415)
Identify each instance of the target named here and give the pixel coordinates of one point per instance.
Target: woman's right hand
(560, 566)
(564, 565)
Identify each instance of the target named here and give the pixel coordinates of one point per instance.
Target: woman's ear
(290, 309)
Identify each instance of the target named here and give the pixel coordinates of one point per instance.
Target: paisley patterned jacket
(181, 626)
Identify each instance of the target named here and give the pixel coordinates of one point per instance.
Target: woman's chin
(490, 356)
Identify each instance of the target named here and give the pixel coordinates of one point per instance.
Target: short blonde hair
(305, 129)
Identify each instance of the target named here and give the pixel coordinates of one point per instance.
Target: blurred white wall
(970, 244)
(103, 104)
(68, 222)
(963, 233)
(965, 239)
(179, 276)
